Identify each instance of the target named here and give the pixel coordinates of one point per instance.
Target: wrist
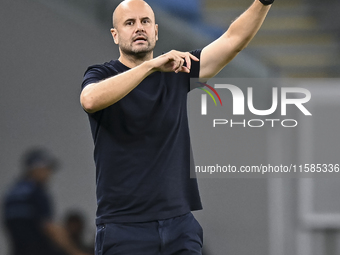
(150, 66)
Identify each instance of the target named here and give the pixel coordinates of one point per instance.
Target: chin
(144, 50)
(139, 52)
(141, 49)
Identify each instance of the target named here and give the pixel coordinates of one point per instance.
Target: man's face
(135, 30)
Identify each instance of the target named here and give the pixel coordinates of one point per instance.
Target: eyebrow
(133, 19)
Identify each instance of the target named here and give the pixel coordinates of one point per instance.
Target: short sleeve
(195, 65)
(94, 74)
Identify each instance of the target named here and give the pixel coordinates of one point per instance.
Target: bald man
(137, 111)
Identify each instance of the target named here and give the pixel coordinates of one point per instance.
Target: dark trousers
(180, 235)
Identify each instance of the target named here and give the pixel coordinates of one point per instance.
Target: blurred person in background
(74, 224)
(28, 210)
(137, 108)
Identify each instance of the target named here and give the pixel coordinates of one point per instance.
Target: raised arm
(219, 53)
(97, 96)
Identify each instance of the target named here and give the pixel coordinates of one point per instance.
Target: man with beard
(137, 111)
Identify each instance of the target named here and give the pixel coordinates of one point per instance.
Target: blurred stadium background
(46, 45)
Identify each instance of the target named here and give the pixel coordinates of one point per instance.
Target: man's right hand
(173, 61)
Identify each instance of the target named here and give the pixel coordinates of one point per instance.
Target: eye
(145, 21)
(129, 23)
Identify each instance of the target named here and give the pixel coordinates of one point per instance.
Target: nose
(140, 27)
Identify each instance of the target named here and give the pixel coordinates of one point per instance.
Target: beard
(137, 51)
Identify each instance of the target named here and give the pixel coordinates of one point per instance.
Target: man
(28, 211)
(137, 111)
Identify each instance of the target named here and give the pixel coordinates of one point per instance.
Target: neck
(132, 61)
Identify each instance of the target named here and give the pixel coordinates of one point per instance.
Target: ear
(114, 33)
(156, 32)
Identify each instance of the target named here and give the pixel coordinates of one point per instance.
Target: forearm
(98, 96)
(244, 28)
(218, 54)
